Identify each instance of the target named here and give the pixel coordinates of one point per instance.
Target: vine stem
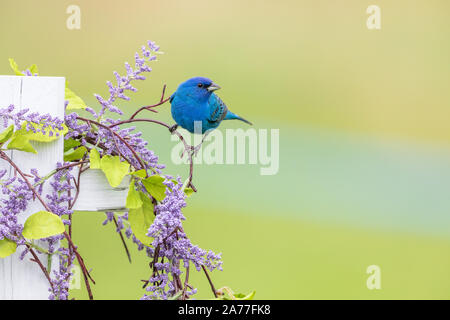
(43, 179)
(150, 108)
(186, 283)
(210, 282)
(77, 185)
(123, 240)
(36, 259)
(86, 274)
(72, 248)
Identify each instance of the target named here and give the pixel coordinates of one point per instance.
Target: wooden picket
(24, 279)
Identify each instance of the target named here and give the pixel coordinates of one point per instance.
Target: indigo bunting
(195, 101)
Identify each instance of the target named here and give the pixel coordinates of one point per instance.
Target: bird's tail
(231, 116)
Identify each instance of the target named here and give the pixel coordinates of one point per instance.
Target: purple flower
(173, 246)
(124, 82)
(35, 122)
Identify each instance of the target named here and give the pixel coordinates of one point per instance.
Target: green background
(363, 115)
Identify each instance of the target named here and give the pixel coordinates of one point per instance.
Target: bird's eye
(200, 85)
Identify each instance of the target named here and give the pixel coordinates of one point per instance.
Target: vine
(153, 219)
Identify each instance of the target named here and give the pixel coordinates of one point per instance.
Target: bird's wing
(218, 109)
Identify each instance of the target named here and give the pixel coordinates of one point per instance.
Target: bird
(195, 102)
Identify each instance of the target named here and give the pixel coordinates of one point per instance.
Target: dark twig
(122, 238)
(210, 282)
(184, 296)
(77, 185)
(86, 273)
(71, 165)
(150, 108)
(36, 259)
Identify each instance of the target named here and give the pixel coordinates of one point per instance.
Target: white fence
(24, 279)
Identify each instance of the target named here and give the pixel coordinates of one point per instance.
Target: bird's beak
(213, 87)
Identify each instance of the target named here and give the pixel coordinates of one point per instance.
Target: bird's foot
(196, 149)
(191, 150)
(187, 150)
(173, 128)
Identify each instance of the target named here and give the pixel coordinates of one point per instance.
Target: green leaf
(7, 247)
(139, 173)
(141, 219)
(114, 169)
(94, 158)
(21, 143)
(42, 224)
(177, 295)
(241, 296)
(21, 138)
(188, 191)
(155, 186)
(77, 154)
(70, 144)
(39, 136)
(226, 293)
(75, 102)
(7, 134)
(15, 67)
(34, 69)
(133, 199)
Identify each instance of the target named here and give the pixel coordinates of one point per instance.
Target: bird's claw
(191, 150)
(196, 149)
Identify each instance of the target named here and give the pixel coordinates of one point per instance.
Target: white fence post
(24, 279)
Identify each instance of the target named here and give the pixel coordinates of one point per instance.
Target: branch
(123, 240)
(184, 296)
(210, 282)
(150, 108)
(36, 259)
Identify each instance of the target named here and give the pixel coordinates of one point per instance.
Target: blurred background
(364, 174)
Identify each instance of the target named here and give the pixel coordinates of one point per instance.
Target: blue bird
(195, 101)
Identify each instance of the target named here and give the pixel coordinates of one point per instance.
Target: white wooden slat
(97, 195)
(24, 279)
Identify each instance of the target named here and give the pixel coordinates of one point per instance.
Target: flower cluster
(173, 247)
(61, 277)
(60, 199)
(16, 197)
(61, 187)
(124, 82)
(33, 121)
